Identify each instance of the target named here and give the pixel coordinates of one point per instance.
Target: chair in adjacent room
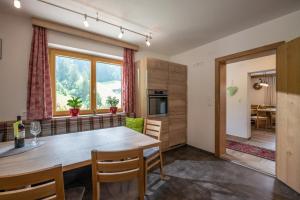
(262, 117)
(254, 114)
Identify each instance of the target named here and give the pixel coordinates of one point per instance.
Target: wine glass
(35, 129)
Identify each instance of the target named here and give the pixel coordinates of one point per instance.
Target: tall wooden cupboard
(163, 75)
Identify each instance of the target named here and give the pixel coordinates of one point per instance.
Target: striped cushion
(64, 125)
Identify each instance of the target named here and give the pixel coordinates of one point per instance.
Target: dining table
(72, 150)
(269, 110)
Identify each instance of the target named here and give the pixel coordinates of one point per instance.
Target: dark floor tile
(195, 174)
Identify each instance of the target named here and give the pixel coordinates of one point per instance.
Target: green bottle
(19, 133)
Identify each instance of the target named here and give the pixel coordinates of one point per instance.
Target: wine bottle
(19, 133)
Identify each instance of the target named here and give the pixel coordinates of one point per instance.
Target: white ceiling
(177, 25)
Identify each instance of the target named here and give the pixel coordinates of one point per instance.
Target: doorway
(251, 113)
(221, 115)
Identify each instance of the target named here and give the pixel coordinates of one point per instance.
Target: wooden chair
(44, 184)
(261, 117)
(152, 156)
(253, 114)
(273, 120)
(116, 166)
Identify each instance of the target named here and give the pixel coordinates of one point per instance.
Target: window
(91, 78)
(108, 83)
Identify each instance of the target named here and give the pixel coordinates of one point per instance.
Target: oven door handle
(157, 96)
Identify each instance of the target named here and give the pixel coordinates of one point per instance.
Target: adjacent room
(155, 100)
(251, 112)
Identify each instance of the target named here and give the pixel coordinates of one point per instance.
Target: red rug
(250, 149)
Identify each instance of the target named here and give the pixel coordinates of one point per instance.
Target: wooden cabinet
(162, 75)
(177, 129)
(177, 90)
(164, 131)
(157, 74)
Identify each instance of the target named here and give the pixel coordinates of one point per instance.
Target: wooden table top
(72, 150)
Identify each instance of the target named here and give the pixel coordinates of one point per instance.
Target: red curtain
(39, 101)
(128, 81)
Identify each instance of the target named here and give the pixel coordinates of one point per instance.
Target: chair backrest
(117, 166)
(43, 184)
(254, 110)
(254, 106)
(260, 112)
(152, 128)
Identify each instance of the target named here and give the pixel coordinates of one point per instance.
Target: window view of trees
(73, 78)
(108, 83)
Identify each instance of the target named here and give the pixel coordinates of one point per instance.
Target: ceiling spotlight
(263, 83)
(148, 41)
(17, 3)
(121, 33)
(85, 22)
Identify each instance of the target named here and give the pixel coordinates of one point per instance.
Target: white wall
(96, 47)
(238, 106)
(201, 72)
(16, 33)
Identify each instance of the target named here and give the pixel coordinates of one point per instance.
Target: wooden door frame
(220, 89)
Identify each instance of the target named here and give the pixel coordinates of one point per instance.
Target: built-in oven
(157, 102)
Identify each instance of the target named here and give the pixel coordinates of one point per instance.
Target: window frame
(76, 55)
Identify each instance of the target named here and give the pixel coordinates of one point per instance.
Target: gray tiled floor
(194, 174)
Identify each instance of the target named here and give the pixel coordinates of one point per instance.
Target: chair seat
(150, 152)
(75, 193)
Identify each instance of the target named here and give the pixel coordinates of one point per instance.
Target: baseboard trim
(247, 166)
(237, 138)
(175, 147)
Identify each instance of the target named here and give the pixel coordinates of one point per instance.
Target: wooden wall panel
(220, 110)
(281, 115)
(293, 136)
(288, 134)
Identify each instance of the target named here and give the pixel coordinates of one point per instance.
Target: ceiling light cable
(148, 37)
